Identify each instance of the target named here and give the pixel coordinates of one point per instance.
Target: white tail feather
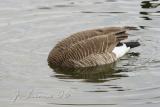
(121, 50)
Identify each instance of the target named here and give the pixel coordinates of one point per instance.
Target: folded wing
(87, 48)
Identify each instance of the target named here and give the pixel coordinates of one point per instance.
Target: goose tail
(122, 48)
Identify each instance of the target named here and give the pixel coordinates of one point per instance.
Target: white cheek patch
(121, 50)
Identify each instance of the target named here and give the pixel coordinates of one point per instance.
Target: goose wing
(83, 35)
(91, 52)
(87, 48)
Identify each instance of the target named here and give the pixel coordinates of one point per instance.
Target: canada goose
(91, 48)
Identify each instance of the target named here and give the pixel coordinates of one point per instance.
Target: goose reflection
(90, 74)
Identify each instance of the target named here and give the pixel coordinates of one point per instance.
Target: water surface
(29, 29)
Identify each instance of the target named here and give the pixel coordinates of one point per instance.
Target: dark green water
(29, 29)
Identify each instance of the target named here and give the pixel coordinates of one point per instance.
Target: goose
(91, 48)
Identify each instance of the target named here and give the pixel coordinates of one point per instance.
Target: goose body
(90, 48)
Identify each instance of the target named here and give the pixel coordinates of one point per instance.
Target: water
(29, 29)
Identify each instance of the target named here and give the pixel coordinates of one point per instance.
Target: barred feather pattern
(87, 48)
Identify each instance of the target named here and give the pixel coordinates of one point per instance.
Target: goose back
(87, 48)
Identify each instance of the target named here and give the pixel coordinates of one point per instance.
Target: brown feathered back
(87, 48)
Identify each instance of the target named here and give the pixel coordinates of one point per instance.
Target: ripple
(98, 2)
(29, 27)
(145, 13)
(63, 5)
(102, 12)
(74, 104)
(146, 18)
(98, 91)
(111, 0)
(149, 4)
(144, 27)
(91, 74)
(44, 8)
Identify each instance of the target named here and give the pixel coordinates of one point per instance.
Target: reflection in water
(146, 5)
(143, 27)
(149, 4)
(134, 54)
(145, 15)
(30, 28)
(90, 74)
(146, 18)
